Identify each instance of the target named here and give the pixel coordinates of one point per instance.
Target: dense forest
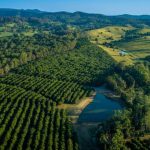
(46, 60)
(79, 65)
(128, 128)
(78, 19)
(19, 49)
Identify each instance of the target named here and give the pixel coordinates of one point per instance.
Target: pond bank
(100, 109)
(89, 113)
(74, 110)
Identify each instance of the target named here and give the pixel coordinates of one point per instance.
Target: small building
(123, 53)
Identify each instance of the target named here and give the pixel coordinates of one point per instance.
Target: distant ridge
(83, 20)
(5, 11)
(135, 16)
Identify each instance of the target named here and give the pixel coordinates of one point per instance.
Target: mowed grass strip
(128, 59)
(140, 48)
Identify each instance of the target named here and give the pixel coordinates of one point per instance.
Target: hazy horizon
(78, 11)
(106, 7)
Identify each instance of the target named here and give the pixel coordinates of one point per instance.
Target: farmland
(52, 67)
(115, 39)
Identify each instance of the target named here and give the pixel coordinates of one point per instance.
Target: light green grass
(114, 53)
(136, 48)
(2, 29)
(139, 48)
(144, 30)
(29, 33)
(10, 24)
(108, 34)
(4, 34)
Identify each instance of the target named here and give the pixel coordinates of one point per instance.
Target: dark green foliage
(131, 83)
(77, 19)
(137, 144)
(20, 49)
(147, 58)
(29, 121)
(130, 80)
(50, 65)
(141, 74)
(59, 91)
(87, 64)
(111, 134)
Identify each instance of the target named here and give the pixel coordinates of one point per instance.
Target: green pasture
(139, 48)
(108, 34)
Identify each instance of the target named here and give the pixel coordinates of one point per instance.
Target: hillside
(29, 96)
(78, 19)
(50, 66)
(115, 39)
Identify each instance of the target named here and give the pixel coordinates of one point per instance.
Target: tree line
(19, 49)
(126, 128)
(58, 91)
(86, 64)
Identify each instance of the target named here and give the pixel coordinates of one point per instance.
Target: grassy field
(144, 30)
(136, 49)
(29, 33)
(4, 34)
(128, 59)
(11, 28)
(10, 25)
(108, 34)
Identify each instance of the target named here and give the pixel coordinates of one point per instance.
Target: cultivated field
(139, 48)
(136, 48)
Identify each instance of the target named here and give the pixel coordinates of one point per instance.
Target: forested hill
(78, 19)
(140, 17)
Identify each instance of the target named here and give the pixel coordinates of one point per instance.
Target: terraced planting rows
(30, 121)
(87, 64)
(29, 94)
(138, 144)
(58, 91)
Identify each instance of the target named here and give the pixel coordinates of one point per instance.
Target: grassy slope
(144, 30)
(108, 34)
(128, 59)
(137, 49)
(7, 30)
